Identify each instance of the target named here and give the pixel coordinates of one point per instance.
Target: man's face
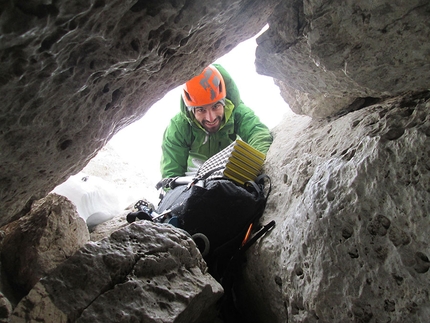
(210, 116)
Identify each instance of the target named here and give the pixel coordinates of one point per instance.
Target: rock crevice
(350, 174)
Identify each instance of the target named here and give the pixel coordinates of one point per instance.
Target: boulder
(105, 229)
(144, 272)
(39, 241)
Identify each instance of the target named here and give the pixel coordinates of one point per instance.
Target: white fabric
(92, 196)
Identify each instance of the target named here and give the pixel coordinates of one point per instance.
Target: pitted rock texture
(350, 193)
(328, 54)
(142, 273)
(39, 241)
(72, 74)
(351, 201)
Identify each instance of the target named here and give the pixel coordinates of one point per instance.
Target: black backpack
(218, 214)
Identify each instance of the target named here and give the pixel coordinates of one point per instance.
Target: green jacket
(186, 145)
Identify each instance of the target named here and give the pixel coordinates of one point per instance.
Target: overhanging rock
(73, 74)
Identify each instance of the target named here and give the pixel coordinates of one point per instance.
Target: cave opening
(139, 144)
(127, 168)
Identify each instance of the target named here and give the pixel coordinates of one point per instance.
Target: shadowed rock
(39, 241)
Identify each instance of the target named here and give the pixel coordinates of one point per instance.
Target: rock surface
(142, 273)
(105, 229)
(326, 55)
(39, 241)
(5, 309)
(350, 193)
(351, 201)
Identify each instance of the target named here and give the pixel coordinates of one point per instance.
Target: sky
(257, 91)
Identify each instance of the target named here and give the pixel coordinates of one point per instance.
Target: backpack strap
(260, 180)
(205, 176)
(258, 186)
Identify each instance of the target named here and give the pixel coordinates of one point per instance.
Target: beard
(212, 127)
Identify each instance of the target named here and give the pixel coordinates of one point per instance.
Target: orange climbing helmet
(206, 88)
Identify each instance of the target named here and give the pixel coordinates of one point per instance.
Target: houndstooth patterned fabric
(214, 166)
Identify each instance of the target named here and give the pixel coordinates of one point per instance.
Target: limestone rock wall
(74, 73)
(325, 55)
(351, 201)
(350, 193)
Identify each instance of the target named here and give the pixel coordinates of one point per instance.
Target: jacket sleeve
(174, 149)
(249, 127)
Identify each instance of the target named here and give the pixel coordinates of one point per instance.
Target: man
(212, 116)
